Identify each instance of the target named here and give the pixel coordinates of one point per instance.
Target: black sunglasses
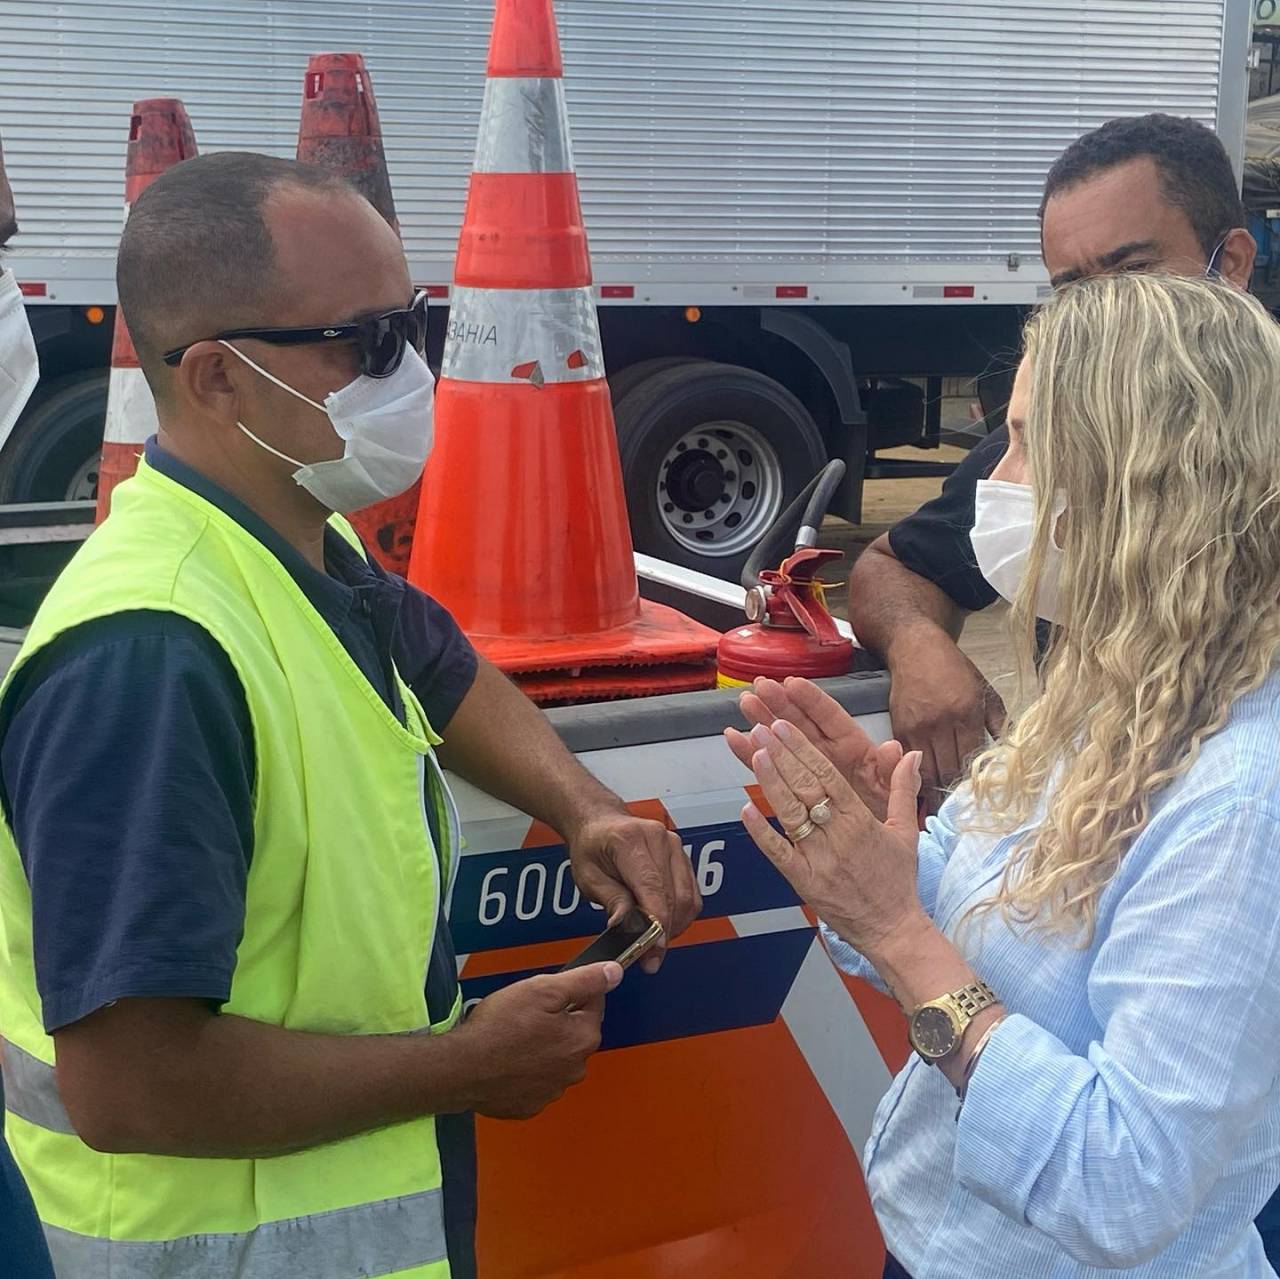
(380, 338)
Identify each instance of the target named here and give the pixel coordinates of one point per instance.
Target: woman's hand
(858, 873)
(864, 765)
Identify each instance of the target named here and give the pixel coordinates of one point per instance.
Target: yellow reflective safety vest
(342, 914)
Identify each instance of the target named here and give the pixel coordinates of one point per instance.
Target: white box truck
(793, 205)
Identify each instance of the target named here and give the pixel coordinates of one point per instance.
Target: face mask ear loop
(262, 444)
(271, 377)
(1214, 270)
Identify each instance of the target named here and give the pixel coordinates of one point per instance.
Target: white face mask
(386, 426)
(19, 367)
(1003, 526)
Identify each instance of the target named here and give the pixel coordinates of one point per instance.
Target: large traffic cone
(160, 135)
(523, 531)
(340, 131)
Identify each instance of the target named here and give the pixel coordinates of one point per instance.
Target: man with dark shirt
(1150, 193)
(21, 1242)
(228, 992)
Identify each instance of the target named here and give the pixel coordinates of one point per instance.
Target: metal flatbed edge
(645, 721)
(25, 524)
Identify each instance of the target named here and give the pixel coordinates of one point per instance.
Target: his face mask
(1003, 526)
(19, 367)
(386, 426)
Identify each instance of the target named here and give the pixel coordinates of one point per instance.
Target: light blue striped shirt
(1126, 1115)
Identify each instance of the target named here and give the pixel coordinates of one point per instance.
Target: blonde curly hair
(1154, 411)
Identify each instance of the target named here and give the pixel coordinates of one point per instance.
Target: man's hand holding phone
(530, 1042)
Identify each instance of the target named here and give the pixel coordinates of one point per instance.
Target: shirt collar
(330, 597)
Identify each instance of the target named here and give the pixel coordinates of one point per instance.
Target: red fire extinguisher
(790, 632)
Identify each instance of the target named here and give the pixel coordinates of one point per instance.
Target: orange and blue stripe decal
(718, 1133)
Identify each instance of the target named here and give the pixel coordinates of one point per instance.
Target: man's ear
(1235, 260)
(206, 382)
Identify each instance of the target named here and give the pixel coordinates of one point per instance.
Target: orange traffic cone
(160, 135)
(523, 531)
(340, 131)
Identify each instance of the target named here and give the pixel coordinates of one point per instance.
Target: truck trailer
(805, 214)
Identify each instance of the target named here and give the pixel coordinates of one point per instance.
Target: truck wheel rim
(83, 485)
(719, 487)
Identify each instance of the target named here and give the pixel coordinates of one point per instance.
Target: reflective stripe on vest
(31, 1090)
(373, 1238)
(384, 1238)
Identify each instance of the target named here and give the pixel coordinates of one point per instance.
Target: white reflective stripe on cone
(522, 335)
(381, 1238)
(131, 408)
(524, 127)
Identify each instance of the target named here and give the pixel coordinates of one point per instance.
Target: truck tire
(711, 453)
(622, 383)
(52, 455)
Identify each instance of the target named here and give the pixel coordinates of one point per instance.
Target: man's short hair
(197, 257)
(1195, 171)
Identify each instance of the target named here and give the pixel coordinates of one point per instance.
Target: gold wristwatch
(937, 1027)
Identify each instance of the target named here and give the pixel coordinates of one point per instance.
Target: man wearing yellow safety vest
(227, 993)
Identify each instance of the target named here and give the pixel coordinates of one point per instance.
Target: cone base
(560, 688)
(660, 636)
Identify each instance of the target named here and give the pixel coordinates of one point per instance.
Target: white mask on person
(386, 425)
(1003, 527)
(19, 365)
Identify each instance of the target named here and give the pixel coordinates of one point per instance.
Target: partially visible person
(1149, 193)
(21, 1241)
(1085, 940)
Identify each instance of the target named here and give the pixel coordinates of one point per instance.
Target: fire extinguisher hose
(798, 524)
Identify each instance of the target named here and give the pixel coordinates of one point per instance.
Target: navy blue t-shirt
(127, 771)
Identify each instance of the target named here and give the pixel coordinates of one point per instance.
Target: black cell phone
(623, 942)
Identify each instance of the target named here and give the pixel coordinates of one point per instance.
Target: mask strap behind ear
(1214, 269)
(271, 377)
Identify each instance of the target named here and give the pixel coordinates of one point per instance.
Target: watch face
(932, 1033)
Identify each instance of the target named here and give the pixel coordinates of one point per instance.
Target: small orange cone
(160, 136)
(523, 531)
(340, 131)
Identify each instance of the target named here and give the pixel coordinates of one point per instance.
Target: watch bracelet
(972, 999)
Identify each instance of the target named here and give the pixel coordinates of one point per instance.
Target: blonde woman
(1087, 939)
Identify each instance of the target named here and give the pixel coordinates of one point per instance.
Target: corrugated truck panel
(805, 140)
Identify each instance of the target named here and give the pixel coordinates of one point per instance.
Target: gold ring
(803, 831)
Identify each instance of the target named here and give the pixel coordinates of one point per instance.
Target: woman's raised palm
(867, 767)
